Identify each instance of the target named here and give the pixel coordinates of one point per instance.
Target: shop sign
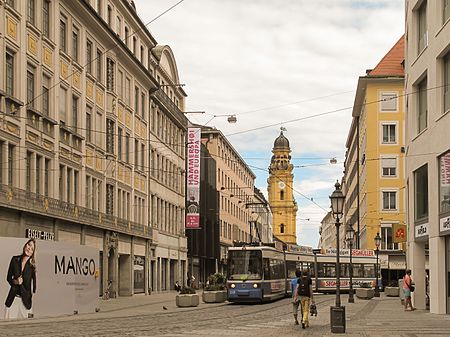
(384, 264)
(399, 232)
(444, 224)
(421, 230)
(193, 179)
(397, 262)
(445, 170)
(39, 235)
(346, 252)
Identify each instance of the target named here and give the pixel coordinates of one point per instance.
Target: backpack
(303, 286)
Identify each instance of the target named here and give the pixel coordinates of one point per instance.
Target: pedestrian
(189, 278)
(177, 286)
(305, 293)
(408, 287)
(295, 303)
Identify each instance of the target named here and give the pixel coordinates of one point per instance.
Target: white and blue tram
(262, 273)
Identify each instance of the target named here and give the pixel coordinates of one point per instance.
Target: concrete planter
(218, 296)
(365, 293)
(187, 300)
(392, 291)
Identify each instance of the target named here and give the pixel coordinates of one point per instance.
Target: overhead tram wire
(101, 55)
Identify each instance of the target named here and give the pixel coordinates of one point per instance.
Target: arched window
(281, 195)
(282, 229)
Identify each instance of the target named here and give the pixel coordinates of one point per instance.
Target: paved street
(145, 316)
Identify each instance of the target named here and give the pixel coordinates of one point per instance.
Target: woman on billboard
(21, 272)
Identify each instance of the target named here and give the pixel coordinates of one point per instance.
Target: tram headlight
(232, 286)
(255, 285)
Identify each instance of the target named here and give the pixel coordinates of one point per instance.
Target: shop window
(421, 193)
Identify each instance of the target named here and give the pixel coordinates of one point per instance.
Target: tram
(264, 273)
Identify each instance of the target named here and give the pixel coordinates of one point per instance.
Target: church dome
(281, 142)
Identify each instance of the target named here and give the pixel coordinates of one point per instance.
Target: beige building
(427, 69)
(328, 232)
(262, 219)
(92, 137)
(235, 184)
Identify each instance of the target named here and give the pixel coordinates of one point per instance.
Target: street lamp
(350, 235)
(377, 244)
(337, 313)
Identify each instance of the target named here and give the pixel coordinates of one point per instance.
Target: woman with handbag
(408, 287)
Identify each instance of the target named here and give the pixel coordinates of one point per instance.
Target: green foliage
(365, 285)
(393, 283)
(216, 282)
(187, 290)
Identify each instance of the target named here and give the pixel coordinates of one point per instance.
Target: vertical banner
(445, 170)
(193, 179)
(398, 233)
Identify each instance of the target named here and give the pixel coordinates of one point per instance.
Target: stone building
(92, 137)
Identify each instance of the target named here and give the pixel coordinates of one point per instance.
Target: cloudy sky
(272, 63)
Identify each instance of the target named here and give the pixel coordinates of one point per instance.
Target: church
(280, 190)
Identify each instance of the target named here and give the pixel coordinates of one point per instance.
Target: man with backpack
(305, 293)
(295, 303)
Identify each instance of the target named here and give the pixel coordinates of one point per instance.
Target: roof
(281, 142)
(392, 63)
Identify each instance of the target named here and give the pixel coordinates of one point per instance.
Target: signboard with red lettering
(346, 252)
(193, 179)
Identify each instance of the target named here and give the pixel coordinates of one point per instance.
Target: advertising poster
(445, 170)
(58, 278)
(193, 179)
(399, 233)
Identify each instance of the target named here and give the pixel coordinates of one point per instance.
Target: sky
(275, 63)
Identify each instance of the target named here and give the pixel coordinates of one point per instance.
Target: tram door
(447, 249)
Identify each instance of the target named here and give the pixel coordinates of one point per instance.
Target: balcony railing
(171, 106)
(22, 200)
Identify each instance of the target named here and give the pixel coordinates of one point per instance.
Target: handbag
(411, 288)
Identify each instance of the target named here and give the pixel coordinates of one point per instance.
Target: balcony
(170, 106)
(21, 200)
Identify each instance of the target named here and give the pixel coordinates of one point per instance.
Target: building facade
(235, 185)
(427, 69)
(261, 230)
(375, 169)
(280, 190)
(86, 98)
(327, 232)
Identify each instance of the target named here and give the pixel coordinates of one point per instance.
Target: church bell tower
(281, 196)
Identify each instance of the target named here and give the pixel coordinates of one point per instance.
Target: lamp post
(337, 313)
(350, 235)
(377, 244)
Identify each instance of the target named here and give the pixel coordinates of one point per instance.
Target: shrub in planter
(187, 298)
(215, 290)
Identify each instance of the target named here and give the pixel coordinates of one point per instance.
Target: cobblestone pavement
(146, 317)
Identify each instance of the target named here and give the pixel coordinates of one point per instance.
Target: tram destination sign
(39, 235)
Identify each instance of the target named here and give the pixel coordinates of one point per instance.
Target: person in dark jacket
(21, 273)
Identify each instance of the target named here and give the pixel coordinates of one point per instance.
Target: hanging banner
(445, 170)
(399, 233)
(193, 179)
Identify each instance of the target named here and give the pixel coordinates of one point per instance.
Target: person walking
(295, 303)
(304, 291)
(408, 287)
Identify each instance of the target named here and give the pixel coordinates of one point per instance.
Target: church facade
(280, 190)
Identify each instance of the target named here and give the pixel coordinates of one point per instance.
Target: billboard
(193, 179)
(57, 278)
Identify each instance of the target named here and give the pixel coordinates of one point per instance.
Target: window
(46, 177)
(444, 182)
(109, 16)
(46, 18)
(136, 154)
(422, 34)
(109, 199)
(143, 105)
(75, 113)
(63, 34)
(142, 157)
(389, 200)
(127, 148)
(388, 101)
(69, 185)
(75, 186)
(99, 65)
(142, 54)
(127, 90)
(99, 131)
(282, 229)
(446, 86)
(110, 136)
(389, 167)
(136, 100)
(120, 84)
(31, 11)
(110, 74)
(89, 56)
(62, 104)
(75, 43)
(281, 195)
(389, 133)
(89, 124)
(10, 3)
(446, 10)
(386, 238)
(422, 106)
(99, 7)
(61, 182)
(45, 95)
(119, 143)
(127, 35)
(10, 73)
(119, 26)
(134, 45)
(38, 174)
(421, 193)
(30, 86)
(11, 165)
(29, 158)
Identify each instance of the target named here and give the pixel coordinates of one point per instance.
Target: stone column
(417, 265)
(438, 295)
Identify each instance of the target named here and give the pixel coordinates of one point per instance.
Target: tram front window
(244, 265)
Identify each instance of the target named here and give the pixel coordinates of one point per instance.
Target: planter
(365, 293)
(218, 296)
(187, 300)
(392, 291)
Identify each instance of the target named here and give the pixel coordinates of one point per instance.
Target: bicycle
(107, 293)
